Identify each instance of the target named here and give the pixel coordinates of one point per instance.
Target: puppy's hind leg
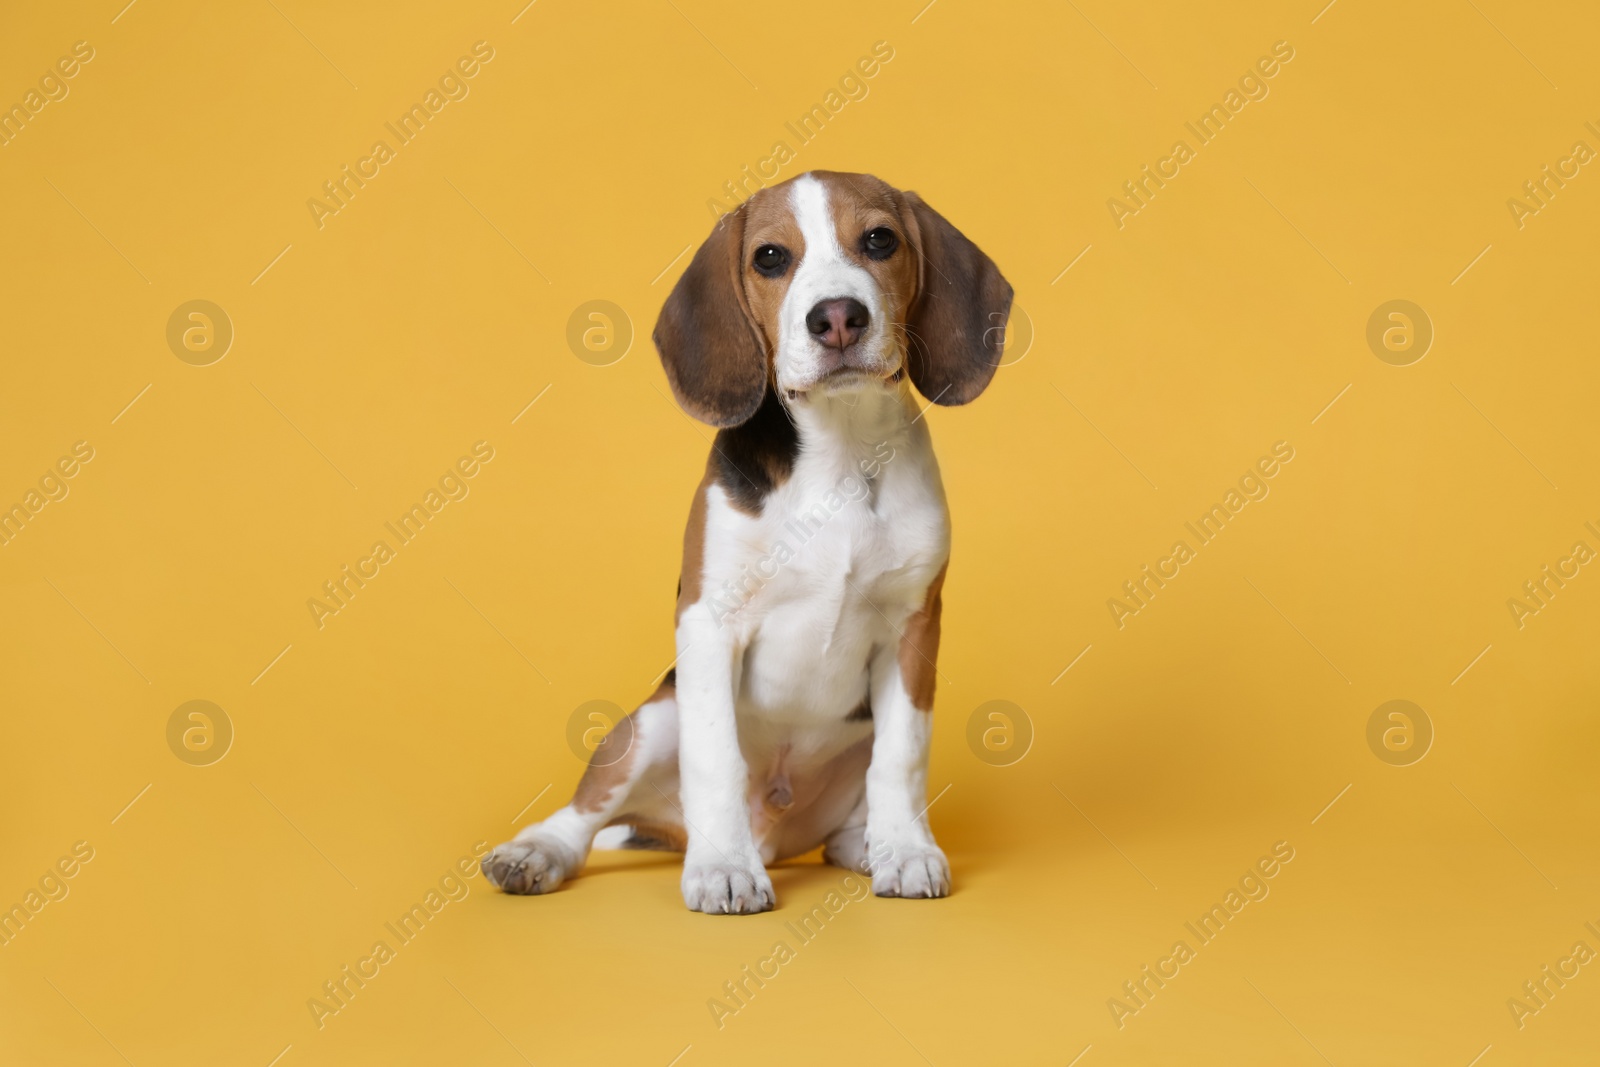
(637, 753)
(847, 847)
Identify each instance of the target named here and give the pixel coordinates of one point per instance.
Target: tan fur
(769, 221)
(919, 646)
(694, 546)
(860, 202)
(599, 780)
(956, 324)
(715, 360)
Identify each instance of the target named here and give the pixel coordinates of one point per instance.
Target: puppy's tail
(640, 838)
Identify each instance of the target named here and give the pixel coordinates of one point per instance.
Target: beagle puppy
(798, 713)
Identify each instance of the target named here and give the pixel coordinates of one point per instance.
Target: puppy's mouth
(843, 379)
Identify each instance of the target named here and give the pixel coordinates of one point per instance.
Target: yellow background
(430, 311)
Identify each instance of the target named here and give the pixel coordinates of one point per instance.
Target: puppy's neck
(840, 429)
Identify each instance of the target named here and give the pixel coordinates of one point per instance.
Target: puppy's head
(826, 283)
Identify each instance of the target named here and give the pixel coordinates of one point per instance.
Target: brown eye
(879, 242)
(771, 260)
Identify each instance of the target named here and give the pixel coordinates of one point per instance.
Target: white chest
(841, 555)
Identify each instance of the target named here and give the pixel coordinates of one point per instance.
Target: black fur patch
(757, 456)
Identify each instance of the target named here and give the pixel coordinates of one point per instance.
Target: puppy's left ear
(956, 326)
(707, 339)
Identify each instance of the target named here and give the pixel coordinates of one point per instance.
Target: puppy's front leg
(722, 870)
(901, 854)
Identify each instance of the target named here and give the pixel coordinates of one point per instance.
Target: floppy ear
(956, 327)
(706, 336)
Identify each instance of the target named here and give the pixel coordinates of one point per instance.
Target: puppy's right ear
(714, 358)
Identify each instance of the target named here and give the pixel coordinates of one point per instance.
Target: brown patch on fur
(601, 779)
(957, 324)
(858, 203)
(769, 221)
(719, 327)
(919, 646)
(714, 359)
(692, 573)
(862, 711)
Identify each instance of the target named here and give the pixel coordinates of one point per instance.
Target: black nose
(838, 323)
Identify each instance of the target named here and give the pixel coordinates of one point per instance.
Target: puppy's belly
(797, 798)
(795, 725)
(805, 731)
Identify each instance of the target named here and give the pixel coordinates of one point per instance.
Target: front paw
(916, 871)
(726, 889)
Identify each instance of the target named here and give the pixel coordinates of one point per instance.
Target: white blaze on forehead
(808, 199)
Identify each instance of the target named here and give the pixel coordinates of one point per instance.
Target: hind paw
(527, 867)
